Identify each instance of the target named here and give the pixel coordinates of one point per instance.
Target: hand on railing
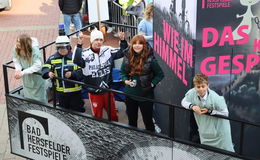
(18, 74)
(68, 74)
(51, 75)
(197, 110)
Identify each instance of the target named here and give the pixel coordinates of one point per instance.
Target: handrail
(47, 45)
(243, 122)
(142, 98)
(121, 25)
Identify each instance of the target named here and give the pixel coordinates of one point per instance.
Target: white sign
(39, 135)
(93, 10)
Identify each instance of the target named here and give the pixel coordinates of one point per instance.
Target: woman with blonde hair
(27, 60)
(145, 27)
(141, 73)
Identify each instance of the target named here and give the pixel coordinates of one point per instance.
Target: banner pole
(98, 9)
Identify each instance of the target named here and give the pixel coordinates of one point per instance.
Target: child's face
(97, 43)
(201, 88)
(63, 51)
(138, 47)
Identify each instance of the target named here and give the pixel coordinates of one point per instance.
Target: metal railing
(127, 20)
(171, 106)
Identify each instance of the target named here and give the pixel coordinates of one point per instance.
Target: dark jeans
(146, 109)
(72, 101)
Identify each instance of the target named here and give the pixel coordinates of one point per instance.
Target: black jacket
(70, 6)
(146, 76)
(97, 68)
(59, 65)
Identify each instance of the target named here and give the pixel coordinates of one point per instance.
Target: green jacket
(213, 131)
(138, 90)
(34, 87)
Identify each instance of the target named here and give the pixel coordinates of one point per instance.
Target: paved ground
(40, 19)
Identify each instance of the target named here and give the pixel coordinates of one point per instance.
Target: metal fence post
(109, 106)
(54, 92)
(6, 79)
(44, 54)
(241, 138)
(171, 122)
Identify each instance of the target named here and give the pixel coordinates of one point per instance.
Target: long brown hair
(137, 62)
(25, 48)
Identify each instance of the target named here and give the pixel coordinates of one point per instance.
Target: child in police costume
(61, 65)
(203, 101)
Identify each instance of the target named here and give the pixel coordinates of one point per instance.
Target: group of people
(140, 73)
(92, 65)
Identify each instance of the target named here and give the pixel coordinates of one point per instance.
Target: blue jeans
(75, 19)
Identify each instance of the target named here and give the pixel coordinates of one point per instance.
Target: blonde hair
(148, 12)
(200, 78)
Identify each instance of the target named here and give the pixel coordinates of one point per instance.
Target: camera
(133, 83)
(68, 68)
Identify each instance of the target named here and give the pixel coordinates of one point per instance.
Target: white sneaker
(72, 27)
(157, 128)
(109, 29)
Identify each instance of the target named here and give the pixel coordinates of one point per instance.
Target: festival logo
(43, 136)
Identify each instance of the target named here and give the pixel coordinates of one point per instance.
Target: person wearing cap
(97, 62)
(60, 64)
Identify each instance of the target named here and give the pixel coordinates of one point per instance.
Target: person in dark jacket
(70, 10)
(141, 73)
(97, 62)
(61, 65)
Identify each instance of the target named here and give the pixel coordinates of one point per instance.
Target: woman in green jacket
(27, 60)
(140, 72)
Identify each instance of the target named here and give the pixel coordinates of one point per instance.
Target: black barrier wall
(227, 49)
(225, 36)
(49, 133)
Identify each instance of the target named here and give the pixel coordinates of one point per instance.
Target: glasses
(62, 47)
(257, 22)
